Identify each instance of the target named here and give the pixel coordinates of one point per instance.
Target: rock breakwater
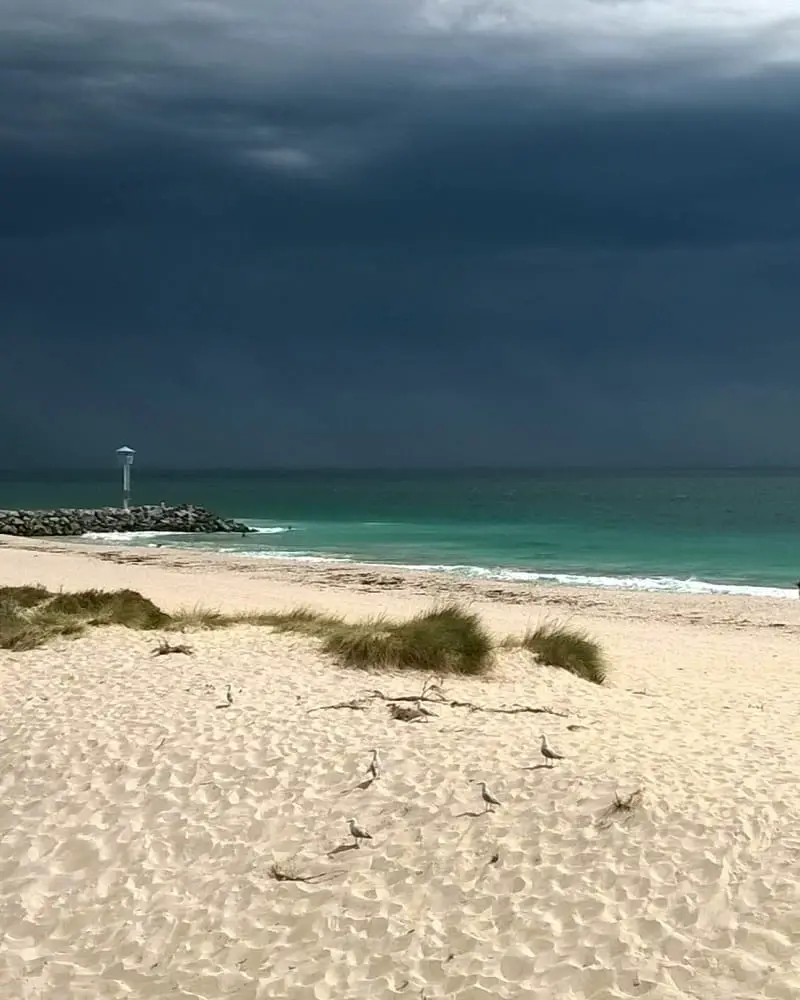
(154, 517)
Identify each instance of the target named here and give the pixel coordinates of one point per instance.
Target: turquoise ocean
(692, 532)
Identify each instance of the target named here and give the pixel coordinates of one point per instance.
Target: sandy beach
(140, 822)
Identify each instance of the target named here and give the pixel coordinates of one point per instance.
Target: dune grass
(303, 620)
(23, 628)
(446, 639)
(25, 597)
(31, 616)
(108, 607)
(559, 646)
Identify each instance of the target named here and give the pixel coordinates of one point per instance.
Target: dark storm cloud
(351, 233)
(395, 121)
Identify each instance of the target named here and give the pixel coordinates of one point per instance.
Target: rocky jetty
(154, 517)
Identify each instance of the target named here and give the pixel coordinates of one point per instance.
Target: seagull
(357, 833)
(549, 753)
(374, 768)
(229, 695)
(487, 796)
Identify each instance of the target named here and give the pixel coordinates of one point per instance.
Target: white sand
(139, 821)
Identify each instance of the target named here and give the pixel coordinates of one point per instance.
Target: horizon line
(395, 469)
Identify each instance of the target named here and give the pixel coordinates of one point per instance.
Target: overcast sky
(400, 232)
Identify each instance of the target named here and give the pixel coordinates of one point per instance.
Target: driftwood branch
(431, 693)
(281, 874)
(357, 706)
(407, 713)
(512, 710)
(623, 808)
(165, 647)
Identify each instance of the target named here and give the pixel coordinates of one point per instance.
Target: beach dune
(159, 842)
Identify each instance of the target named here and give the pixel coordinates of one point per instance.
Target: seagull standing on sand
(549, 753)
(487, 796)
(357, 833)
(374, 769)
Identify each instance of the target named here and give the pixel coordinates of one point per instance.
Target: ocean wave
(130, 536)
(649, 584)
(652, 584)
(135, 536)
(289, 554)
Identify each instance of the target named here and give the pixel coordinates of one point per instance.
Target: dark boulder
(158, 517)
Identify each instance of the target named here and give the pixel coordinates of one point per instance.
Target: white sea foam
(129, 536)
(659, 584)
(665, 584)
(306, 557)
(143, 536)
(652, 584)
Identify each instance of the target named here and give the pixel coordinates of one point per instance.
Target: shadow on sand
(343, 849)
(362, 786)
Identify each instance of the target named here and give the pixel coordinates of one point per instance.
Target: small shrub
(558, 646)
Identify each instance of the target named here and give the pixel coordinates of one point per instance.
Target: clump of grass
(444, 640)
(558, 646)
(304, 620)
(110, 607)
(22, 629)
(25, 597)
(12, 624)
(32, 616)
(197, 617)
(297, 620)
(361, 644)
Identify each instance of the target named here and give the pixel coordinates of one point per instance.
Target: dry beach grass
(159, 841)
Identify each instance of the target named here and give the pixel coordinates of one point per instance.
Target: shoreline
(635, 581)
(274, 583)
